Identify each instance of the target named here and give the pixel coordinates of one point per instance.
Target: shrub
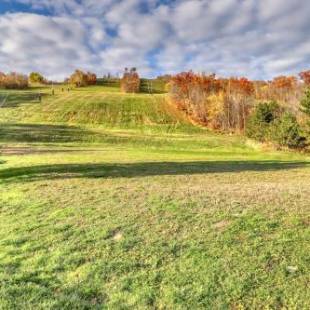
(91, 78)
(36, 77)
(305, 103)
(78, 79)
(305, 76)
(2, 78)
(260, 121)
(286, 132)
(305, 108)
(13, 81)
(268, 123)
(81, 79)
(130, 82)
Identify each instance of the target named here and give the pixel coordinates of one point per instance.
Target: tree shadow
(43, 133)
(29, 150)
(130, 170)
(48, 133)
(15, 99)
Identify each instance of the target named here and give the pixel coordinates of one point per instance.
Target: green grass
(155, 86)
(98, 105)
(128, 214)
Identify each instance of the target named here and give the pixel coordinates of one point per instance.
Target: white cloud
(231, 37)
(52, 45)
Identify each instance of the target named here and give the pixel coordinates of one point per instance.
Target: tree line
(13, 80)
(276, 111)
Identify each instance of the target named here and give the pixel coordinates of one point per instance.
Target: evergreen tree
(305, 103)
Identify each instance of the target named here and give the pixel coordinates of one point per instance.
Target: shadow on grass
(48, 133)
(12, 151)
(42, 133)
(113, 170)
(15, 99)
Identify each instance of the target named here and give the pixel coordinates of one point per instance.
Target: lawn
(144, 212)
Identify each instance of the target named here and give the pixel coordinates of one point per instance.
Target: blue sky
(257, 39)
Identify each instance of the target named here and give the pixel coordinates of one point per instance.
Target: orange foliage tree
(217, 103)
(91, 78)
(130, 82)
(2, 78)
(305, 76)
(283, 87)
(287, 91)
(239, 95)
(81, 79)
(189, 91)
(284, 82)
(13, 80)
(226, 104)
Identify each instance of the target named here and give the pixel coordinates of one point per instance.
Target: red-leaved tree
(305, 76)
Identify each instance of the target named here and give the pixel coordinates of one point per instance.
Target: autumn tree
(78, 79)
(130, 82)
(36, 77)
(287, 90)
(261, 90)
(239, 97)
(81, 79)
(13, 80)
(284, 82)
(91, 78)
(2, 79)
(217, 103)
(190, 92)
(305, 76)
(284, 87)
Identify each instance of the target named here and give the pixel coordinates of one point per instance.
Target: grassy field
(113, 201)
(99, 105)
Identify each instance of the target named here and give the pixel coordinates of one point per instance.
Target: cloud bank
(258, 39)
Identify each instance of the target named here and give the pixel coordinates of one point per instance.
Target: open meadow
(117, 201)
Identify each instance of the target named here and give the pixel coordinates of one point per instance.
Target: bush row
(13, 81)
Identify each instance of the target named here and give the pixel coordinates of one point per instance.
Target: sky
(258, 39)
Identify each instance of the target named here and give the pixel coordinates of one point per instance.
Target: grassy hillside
(155, 86)
(94, 105)
(111, 209)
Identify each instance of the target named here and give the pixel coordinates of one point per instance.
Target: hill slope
(127, 205)
(94, 105)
